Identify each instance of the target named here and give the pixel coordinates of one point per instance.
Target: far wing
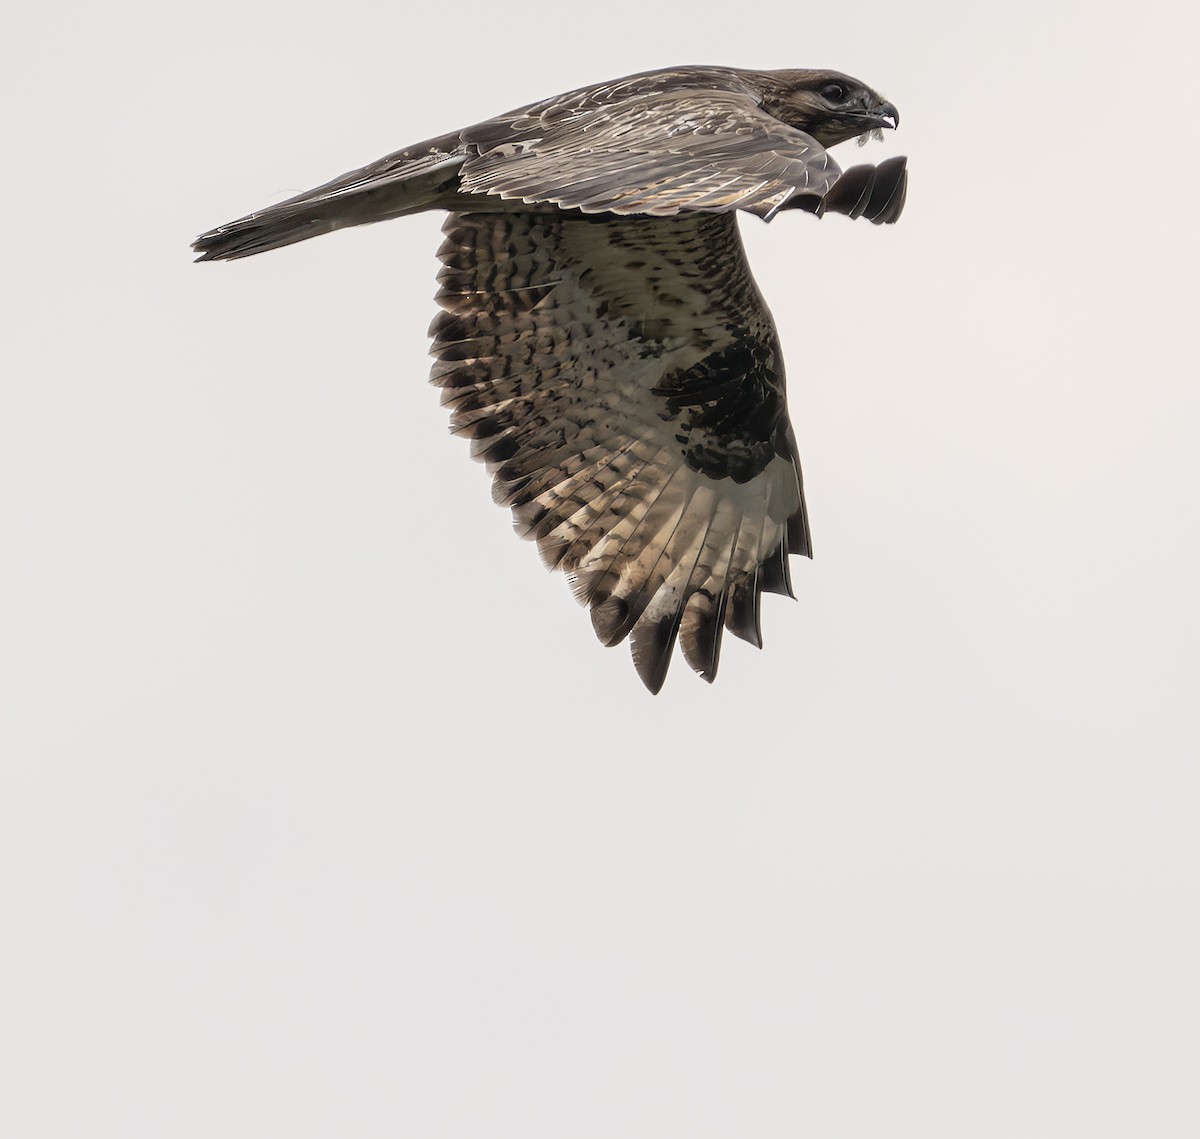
(656, 152)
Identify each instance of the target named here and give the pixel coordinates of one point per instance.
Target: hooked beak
(883, 116)
(865, 122)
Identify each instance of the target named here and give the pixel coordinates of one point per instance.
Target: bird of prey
(602, 342)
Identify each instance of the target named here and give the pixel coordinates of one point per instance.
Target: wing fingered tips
(692, 609)
(874, 192)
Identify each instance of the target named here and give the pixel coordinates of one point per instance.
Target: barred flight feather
(583, 445)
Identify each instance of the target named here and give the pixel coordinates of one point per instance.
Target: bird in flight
(602, 342)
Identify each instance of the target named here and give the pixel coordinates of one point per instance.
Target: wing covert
(653, 152)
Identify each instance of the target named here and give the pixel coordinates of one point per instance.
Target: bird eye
(834, 92)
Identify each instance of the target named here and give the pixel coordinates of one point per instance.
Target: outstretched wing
(647, 152)
(622, 380)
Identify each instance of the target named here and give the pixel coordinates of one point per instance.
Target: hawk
(602, 342)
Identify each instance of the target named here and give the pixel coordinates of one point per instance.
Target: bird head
(829, 106)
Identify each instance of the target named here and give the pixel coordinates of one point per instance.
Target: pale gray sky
(322, 813)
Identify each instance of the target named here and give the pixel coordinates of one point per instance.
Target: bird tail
(407, 182)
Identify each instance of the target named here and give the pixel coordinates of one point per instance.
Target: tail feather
(403, 183)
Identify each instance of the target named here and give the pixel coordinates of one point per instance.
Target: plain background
(324, 814)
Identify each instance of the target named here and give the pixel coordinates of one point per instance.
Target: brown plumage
(602, 341)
